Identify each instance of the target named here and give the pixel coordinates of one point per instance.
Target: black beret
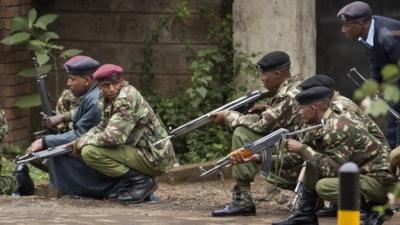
(354, 11)
(317, 80)
(81, 65)
(273, 60)
(313, 94)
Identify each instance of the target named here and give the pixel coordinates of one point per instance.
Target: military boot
(305, 213)
(25, 184)
(139, 186)
(330, 211)
(242, 204)
(375, 218)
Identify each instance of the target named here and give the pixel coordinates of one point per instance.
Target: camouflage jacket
(66, 104)
(342, 104)
(343, 139)
(129, 120)
(3, 129)
(3, 125)
(281, 112)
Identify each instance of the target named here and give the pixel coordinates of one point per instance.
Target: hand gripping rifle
(205, 119)
(353, 70)
(261, 146)
(44, 154)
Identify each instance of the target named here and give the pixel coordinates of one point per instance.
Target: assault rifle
(42, 90)
(44, 154)
(206, 118)
(45, 100)
(353, 70)
(261, 146)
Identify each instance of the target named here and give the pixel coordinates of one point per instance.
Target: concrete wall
(115, 31)
(262, 26)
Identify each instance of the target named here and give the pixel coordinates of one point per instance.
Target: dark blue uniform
(386, 50)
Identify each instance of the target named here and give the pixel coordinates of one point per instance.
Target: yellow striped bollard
(349, 195)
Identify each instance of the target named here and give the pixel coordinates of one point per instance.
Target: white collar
(370, 37)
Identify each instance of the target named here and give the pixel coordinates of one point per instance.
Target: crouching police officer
(120, 146)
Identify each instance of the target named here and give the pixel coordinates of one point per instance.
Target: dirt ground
(182, 203)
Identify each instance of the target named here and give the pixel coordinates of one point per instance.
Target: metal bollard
(349, 195)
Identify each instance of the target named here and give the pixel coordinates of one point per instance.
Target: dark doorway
(335, 54)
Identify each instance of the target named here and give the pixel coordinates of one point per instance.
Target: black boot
(242, 204)
(305, 213)
(139, 187)
(330, 211)
(24, 181)
(375, 218)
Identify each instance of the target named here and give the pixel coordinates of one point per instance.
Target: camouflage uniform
(66, 102)
(345, 139)
(123, 139)
(8, 184)
(281, 112)
(342, 104)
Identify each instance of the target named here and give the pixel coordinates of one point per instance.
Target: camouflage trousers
(8, 185)
(371, 189)
(245, 173)
(115, 162)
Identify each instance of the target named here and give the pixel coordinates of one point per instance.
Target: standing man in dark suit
(381, 38)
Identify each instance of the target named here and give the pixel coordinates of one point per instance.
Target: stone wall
(12, 86)
(116, 31)
(261, 26)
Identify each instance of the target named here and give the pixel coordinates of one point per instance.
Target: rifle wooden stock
(260, 146)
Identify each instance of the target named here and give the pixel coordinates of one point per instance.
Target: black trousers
(393, 128)
(72, 176)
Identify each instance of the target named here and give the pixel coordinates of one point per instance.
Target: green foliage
(387, 91)
(28, 101)
(213, 73)
(8, 167)
(396, 191)
(32, 33)
(377, 108)
(37, 175)
(390, 73)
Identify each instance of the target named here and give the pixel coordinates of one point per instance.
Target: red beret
(108, 72)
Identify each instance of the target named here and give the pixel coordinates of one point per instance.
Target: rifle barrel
(392, 111)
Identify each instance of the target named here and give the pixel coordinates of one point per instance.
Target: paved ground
(182, 203)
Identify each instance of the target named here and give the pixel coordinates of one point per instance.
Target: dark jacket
(87, 116)
(386, 47)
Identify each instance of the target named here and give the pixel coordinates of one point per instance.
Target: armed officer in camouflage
(281, 112)
(120, 146)
(340, 104)
(343, 104)
(342, 139)
(20, 183)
